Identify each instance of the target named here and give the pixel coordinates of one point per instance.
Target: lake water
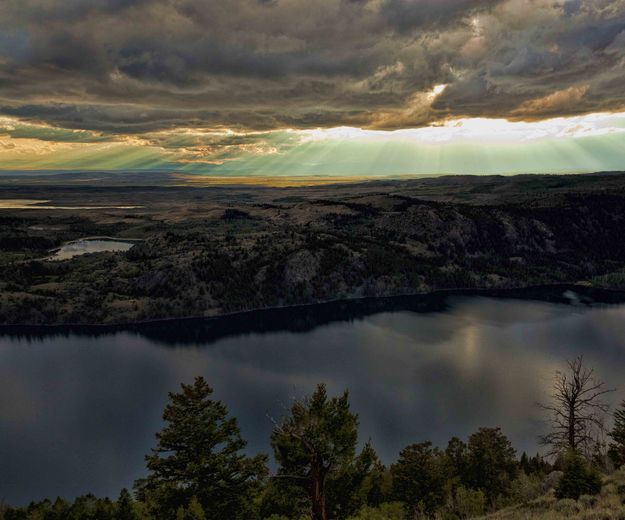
(90, 245)
(78, 409)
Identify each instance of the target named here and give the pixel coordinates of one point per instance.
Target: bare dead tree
(577, 410)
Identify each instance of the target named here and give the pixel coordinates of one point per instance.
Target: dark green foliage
(194, 511)
(86, 507)
(617, 446)
(535, 465)
(359, 483)
(197, 471)
(285, 497)
(198, 455)
(315, 444)
(125, 507)
(420, 478)
(578, 478)
(235, 214)
(468, 503)
(524, 463)
(491, 463)
(456, 453)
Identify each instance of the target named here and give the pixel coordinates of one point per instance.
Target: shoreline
(540, 293)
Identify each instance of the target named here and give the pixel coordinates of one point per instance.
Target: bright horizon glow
(484, 130)
(590, 142)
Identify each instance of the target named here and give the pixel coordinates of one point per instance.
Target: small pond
(91, 245)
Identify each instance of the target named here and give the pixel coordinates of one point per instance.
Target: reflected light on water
(78, 412)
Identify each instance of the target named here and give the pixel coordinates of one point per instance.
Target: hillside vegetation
(214, 251)
(608, 505)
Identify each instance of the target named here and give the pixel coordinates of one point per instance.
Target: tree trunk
(317, 495)
(572, 424)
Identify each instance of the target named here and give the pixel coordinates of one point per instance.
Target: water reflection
(90, 245)
(78, 410)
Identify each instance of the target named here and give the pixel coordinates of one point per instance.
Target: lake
(79, 407)
(91, 245)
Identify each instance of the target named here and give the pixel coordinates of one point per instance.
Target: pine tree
(316, 442)
(524, 464)
(456, 454)
(195, 510)
(491, 462)
(420, 478)
(617, 447)
(198, 454)
(358, 484)
(578, 478)
(125, 507)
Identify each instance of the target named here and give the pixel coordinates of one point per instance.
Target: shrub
(567, 506)
(469, 502)
(387, 511)
(524, 489)
(588, 501)
(577, 479)
(598, 514)
(608, 489)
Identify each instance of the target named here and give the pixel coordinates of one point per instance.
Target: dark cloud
(406, 15)
(134, 66)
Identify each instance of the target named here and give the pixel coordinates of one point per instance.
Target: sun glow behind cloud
(484, 130)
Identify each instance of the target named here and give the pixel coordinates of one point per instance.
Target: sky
(322, 87)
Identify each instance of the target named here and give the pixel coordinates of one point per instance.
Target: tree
(359, 483)
(536, 465)
(316, 443)
(195, 511)
(524, 463)
(491, 463)
(125, 509)
(420, 479)
(456, 453)
(617, 447)
(198, 454)
(284, 498)
(578, 478)
(577, 409)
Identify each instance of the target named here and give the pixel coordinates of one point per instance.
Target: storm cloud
(135, 67)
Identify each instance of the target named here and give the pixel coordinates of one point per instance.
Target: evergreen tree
(285, 498)
(491, 463)
(578, 478)
(420, 479)
(538, 466)
(617, 446)
(456, 454)
(375, 479)
(195, 511)
(358, 484)
(315, 444)
(125, 507)
(524, 464)
(198, 454)
(104, 509)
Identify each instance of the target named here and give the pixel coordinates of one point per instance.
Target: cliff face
(212, 258)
